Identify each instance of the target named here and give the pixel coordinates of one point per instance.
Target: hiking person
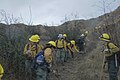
(81, 42)
(30, 51)
(66, 42)
(111, 52)
(72, 48)
(61, 49)
(43, 61)
(1, 72)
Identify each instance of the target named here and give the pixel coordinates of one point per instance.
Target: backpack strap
(28, 45)
(36, 47)
(108, 45)
(57, 43)
(62, 42)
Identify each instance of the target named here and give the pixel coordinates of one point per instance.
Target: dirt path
(82, 67)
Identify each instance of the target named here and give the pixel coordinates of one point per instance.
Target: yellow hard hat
(52, 43)
(105, 37)
(34, 38)
(37, 36)
(1, 71)
(64, 35)
(73, 42)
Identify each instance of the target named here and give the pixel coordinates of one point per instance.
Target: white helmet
(60, 36)
(82, 35)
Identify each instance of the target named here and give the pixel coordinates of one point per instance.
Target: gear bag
(39, 58)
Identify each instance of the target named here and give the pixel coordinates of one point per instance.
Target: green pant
(28, 66)
(60, 55)
(113, 70)
(41, 73)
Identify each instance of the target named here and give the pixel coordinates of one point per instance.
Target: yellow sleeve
(1, 71)
(69, 47)
(40, 47)
(113, 48)
(76, 49)
(25, 49)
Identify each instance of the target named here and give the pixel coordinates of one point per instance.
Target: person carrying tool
(61, 49)
(1, 71)
(110, 51)
(43, 61)
(30, 51)
(72, 48)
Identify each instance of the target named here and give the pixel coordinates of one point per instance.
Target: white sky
(53, 12)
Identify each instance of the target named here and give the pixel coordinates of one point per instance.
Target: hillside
(82, 67)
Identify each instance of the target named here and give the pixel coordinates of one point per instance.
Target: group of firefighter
(40, 59)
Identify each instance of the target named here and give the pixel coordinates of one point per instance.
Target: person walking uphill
(81, 42)
(72, 48)
(110, 51)
(30, 51)
(1, 72)
(61, 49)
(43, 61)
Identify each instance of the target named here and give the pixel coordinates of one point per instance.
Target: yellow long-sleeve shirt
(111, 49)
(1, 71)
(32, 49)
(72, 48)
(60, 43)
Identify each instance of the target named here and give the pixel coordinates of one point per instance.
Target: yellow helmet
(1, 71)
(52, 43)
(105, 37)
(73, 42)
(34, 38)
(64, 35)
(37, 36)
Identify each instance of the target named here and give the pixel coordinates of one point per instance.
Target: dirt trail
(83, 67)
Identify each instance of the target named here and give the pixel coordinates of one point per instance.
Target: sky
(55, 12)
